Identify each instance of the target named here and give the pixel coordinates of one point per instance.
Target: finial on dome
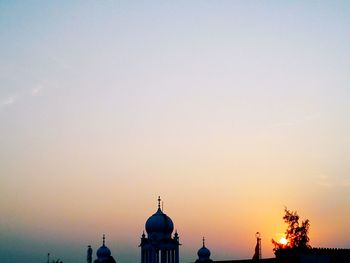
(103, 240)
(203, 242)
(159, 201)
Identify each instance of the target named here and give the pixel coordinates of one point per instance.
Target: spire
(203, 242)
(159, 202)
(103, 240)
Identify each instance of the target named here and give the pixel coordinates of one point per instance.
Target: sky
(229, 110)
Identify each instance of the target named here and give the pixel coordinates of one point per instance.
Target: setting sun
(283, 241)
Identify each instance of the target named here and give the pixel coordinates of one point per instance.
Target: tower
(89, 255)
(257, 254)
(159, 246)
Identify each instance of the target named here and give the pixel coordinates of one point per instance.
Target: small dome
(103, 251)
(203, 253)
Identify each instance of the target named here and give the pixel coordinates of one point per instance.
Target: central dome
(159, 225)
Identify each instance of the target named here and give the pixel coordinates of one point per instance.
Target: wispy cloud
(8, 101)
(12, 99)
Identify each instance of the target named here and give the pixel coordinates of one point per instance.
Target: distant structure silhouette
(162, 246)
(53, 260)
(159, 246)
(89, 255)
(203, 254)
(257, 254)
(103, 254)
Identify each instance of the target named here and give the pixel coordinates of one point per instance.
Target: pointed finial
(203, 242)
(176, 235)
(103, 240)
(159, 201)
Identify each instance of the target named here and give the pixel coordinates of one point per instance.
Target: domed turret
(159, 225)
(203, 253)
(103, 252)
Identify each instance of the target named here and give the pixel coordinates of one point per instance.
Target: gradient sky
(230, 110)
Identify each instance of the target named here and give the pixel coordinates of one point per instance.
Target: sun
(283, 241)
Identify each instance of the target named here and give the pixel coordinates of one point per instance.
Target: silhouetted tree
(296, 234)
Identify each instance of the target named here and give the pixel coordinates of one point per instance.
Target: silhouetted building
(162, 246)
(159, 246)
(103, 254)
(89, 255)
(52, 260)
(203, 254)
(257, 253)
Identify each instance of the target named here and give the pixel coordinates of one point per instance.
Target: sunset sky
(229, 110)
